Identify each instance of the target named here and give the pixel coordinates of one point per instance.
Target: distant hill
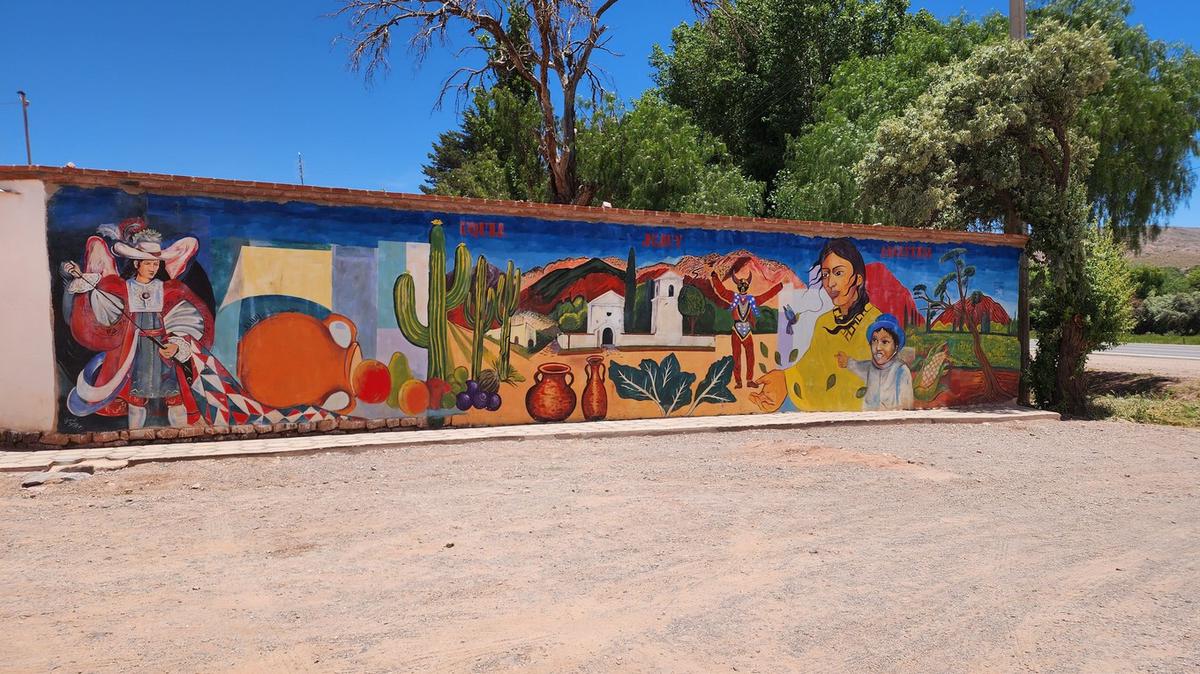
(1176, 247)
(589, 280)
(986, 306)
(890, 296)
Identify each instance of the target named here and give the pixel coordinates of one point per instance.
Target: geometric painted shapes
(354, 290)
(295, 272)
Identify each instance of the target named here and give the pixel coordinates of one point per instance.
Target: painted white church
(606, 321)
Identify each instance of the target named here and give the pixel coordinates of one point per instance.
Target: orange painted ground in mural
(514, 409)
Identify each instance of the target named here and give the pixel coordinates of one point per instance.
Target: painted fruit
(438, 388)
(463, 401)
(493, 402)
(413, 397)
(472, 386)
(400, 372)
(480, 400)
(489, 381)
(458, 380)
(372, 382)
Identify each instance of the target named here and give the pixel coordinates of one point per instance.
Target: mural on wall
(178, 311)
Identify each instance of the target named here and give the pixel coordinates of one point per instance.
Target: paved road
(1180, 351)
(1169, 351)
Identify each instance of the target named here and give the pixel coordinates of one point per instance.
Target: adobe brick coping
(341, 196)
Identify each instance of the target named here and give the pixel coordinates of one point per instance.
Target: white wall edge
(28, 397)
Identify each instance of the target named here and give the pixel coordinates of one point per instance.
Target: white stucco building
(524, 327)
(606, 321)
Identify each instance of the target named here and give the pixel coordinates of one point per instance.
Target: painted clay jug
(291, 359)
(595, 397)
(551, 397)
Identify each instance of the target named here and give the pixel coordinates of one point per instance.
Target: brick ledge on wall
(37, 441)
(245, 189)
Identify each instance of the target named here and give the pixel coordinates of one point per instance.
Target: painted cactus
(508, 292)
(479, 312)
(433, 337)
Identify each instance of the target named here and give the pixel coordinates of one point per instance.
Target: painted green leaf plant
(668, 386)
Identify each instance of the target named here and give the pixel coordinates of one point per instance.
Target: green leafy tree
(691, 305)
(1193, 278)
(493, 156)
(1164, 314)
(749, 74)
(994, 141)
(816, 182)
(1150, 281)
(1145, 122)
(654, 157)
(630, 289)
(571, 315)
(934, 303)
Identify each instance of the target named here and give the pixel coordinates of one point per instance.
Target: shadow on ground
(1130, 383)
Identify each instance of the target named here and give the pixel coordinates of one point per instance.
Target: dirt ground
(1035, 546)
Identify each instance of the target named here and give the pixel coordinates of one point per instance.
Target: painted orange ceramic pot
(292, 359)
(551, 397)
(595, 397)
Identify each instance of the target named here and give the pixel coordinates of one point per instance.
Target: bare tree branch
(562, 37)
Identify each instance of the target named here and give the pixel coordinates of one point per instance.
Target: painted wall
(252, 311)
(27, 391)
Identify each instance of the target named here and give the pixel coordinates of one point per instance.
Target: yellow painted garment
(814, 368)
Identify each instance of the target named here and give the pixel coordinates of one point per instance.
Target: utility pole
(1016, 20)
(300, 166)
(1016, 32)
(25, 116)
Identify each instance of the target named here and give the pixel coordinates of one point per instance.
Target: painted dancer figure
(745, 309)
(144, 323)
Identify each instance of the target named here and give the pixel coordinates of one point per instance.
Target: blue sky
(235, 89)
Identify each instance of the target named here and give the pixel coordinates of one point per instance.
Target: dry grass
(1146, 398)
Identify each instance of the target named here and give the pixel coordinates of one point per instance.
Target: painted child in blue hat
(889, 381)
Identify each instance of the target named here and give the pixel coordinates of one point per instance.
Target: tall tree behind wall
(816, 182)
(495, 155)
(750, 74)
(652, 156)
(1146, 121)
(553, 56)
(995, 140)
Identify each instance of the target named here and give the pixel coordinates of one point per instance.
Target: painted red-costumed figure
(146, 325)
(745, 308)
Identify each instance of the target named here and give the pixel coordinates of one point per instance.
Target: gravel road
(1034, 546)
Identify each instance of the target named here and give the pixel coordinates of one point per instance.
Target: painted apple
(372, 381)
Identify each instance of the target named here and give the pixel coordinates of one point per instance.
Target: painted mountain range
(565, 279)
(589, 278)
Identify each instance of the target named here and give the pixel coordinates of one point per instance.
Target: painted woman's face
(840, 281)
(883, 347)
(147, 270)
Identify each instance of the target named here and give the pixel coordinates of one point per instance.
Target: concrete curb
(24, 461)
